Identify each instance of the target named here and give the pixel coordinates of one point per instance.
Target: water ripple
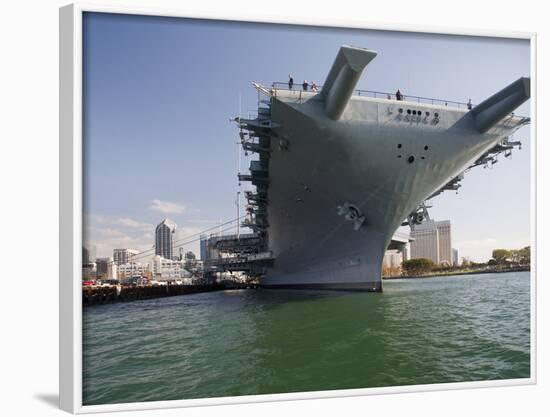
(254, 342)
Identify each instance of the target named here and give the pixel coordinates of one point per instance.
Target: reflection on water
(451, 329)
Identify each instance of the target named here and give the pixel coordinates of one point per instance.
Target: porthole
(414, 112)
(419, 113)
(399, 146)
(426, 147)
(400, 110)
(410, 159)
(408, 111)
(436, 115)
(427, 113)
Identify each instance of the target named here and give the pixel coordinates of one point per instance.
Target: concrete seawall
(105, 295)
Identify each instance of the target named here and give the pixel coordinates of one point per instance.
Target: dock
(114, 294)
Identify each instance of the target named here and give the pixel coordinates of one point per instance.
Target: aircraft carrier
(340, 169)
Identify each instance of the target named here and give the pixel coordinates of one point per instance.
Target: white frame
(70, 211)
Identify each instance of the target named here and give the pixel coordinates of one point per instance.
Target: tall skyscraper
(426, 242)
(445, 246)
(432, 240)
(204, 247)
(164, 239)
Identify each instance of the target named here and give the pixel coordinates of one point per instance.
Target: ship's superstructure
(338, 172)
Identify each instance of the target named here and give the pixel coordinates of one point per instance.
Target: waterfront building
(455, 257)
(133, 269)
(444, 242)
(112, 271)
(426, 241)
(102, 266)
(106, 268)
(432, 240)
(168, 269)
(164, 239)
(123, 256)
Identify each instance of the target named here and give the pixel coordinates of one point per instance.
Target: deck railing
(376, 94)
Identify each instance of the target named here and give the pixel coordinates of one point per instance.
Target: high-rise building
(164, 239)
(455, 257)
(204, 247)
(432, 240)
(426, 242)
(444, 241)
(123, 256)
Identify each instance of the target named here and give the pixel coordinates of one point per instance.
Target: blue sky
(159, 93)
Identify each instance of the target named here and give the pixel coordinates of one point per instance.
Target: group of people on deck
(398, 95)
(305, 84)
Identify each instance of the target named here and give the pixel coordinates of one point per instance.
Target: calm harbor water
(245, 342)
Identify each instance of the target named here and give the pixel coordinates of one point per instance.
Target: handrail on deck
(376, 94)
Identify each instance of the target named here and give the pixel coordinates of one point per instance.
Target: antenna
(238, 143)
(237, 201)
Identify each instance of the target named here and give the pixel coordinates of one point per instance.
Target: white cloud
(167, 207)
(94, 218)
(133, 224)
(107, 231)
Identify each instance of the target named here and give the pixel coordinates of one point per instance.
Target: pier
(113, 294)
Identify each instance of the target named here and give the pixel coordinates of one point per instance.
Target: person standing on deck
(290, 82)
(398, 95)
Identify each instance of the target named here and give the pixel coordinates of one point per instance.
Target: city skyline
(157, 129)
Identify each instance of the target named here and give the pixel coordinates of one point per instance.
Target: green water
(423, 331)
